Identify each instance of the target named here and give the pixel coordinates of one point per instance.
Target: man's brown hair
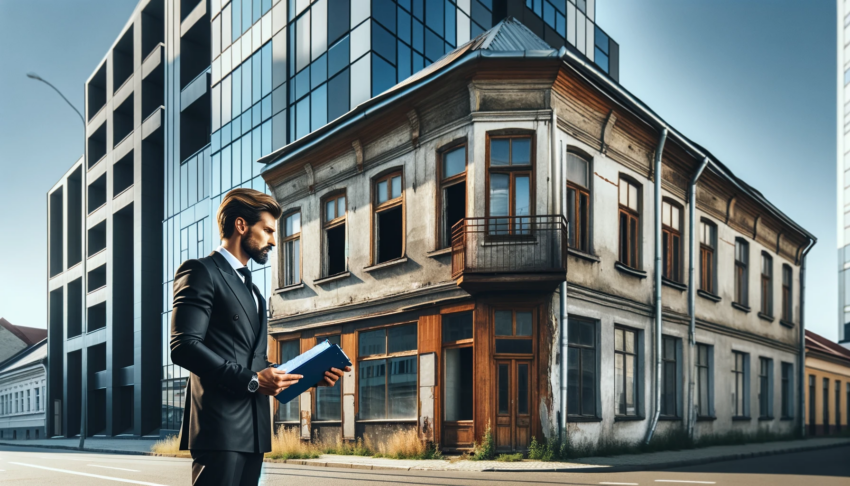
(246, 204)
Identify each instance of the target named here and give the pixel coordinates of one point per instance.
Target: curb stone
(590, 468)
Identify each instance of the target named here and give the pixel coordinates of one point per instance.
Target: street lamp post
(83, 358)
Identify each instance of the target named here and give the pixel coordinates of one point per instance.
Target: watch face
(253, 385)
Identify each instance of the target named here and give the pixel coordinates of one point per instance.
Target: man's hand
(273, 381)
(332, 376)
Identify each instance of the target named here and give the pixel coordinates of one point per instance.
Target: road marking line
(621, 484)
(109, 478)
(683, 481)
(118, 468)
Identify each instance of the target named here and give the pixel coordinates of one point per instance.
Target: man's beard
(258, 254)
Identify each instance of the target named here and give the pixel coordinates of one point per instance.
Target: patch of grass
(486, 449)
(287, 444)
(343, 448)
(169, 445)
(671, 440)
(406, 444)
(509, 457)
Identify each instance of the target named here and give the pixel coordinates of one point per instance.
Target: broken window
(742, 259)
(292, 249)
(629, 223)
(787, 313)
(509, 165)
(671, 227)
(452, 192)
(766, 284)
(707, 245)
(333, 223)
(578, 202)
(389, 218)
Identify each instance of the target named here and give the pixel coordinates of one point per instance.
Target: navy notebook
(312, 365)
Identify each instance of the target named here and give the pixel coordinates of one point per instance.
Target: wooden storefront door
(458, 376)
(513, 404)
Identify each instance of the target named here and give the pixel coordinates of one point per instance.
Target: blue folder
(312, 365)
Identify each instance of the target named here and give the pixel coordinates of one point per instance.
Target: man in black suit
(219, 333)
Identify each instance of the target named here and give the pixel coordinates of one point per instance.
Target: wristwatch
(254, 384)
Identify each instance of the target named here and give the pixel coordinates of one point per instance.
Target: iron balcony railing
(509, 244)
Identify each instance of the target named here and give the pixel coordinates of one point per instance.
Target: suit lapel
(240, 290)
(260, 343)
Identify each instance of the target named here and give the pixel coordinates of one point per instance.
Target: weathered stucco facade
(470, 370)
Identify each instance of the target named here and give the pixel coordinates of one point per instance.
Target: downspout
(562, 317)
(692, 293)
(802, 367)
(657, 336)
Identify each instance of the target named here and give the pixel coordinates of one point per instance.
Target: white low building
(22, 387)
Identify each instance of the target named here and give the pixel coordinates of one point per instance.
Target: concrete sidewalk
(627, 462)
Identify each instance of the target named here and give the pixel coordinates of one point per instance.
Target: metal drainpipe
(562, 318)
(802, 368)
(692, 292)
(657, 337)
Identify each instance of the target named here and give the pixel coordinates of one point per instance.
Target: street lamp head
(34, 76)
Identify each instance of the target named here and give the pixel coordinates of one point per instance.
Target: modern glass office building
(843, 168)
(202, 89)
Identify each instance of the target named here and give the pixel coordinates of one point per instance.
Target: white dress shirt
(236, 264)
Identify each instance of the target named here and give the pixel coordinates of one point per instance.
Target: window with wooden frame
(510, 176)
(458, 366)
(578, 201)
(629, 214)
(671, 228)
(766, 284)
(387, 373)
(582, 378)
(335, 240)
(451, 198)
(742, 274)
(740, 392)
(626, 370)
(292, 249)
(704, 393)
(670, 376)
(707, 249)
(787, 312)
(388, 222)
(514, 330)
(291, 410)
(764, 391)
(328, 405)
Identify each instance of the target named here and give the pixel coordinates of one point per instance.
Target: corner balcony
(510, 253)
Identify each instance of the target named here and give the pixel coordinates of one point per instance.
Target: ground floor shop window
(581, 368)
(290, 411)
(704, 392)
(387, 373)
(329, 399)
(626, 371)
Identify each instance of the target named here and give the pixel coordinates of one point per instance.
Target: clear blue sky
(752, 81)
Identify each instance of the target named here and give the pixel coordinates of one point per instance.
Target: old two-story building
(502, 240)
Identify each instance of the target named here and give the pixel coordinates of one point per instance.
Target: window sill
(629, 270)
(742, 419)
(628, 418)
(289, 289)
(380, 266)
(764, 419)
(582, 255)
(706, 418)
(786, 418)
(332, 278)
(580, 418)
(439, 253)
(325, 422)
(673, 284)
(766, 317)
(708, 295)
(789, 325)
(669, 418)
(386, 421)
(740, 307)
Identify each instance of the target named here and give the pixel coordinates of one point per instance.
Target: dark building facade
(187, 100)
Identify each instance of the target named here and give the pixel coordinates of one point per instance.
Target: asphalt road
(33, 466)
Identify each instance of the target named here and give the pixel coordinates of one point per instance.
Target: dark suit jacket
(218, 335)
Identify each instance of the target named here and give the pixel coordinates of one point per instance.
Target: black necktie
(246, 272)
